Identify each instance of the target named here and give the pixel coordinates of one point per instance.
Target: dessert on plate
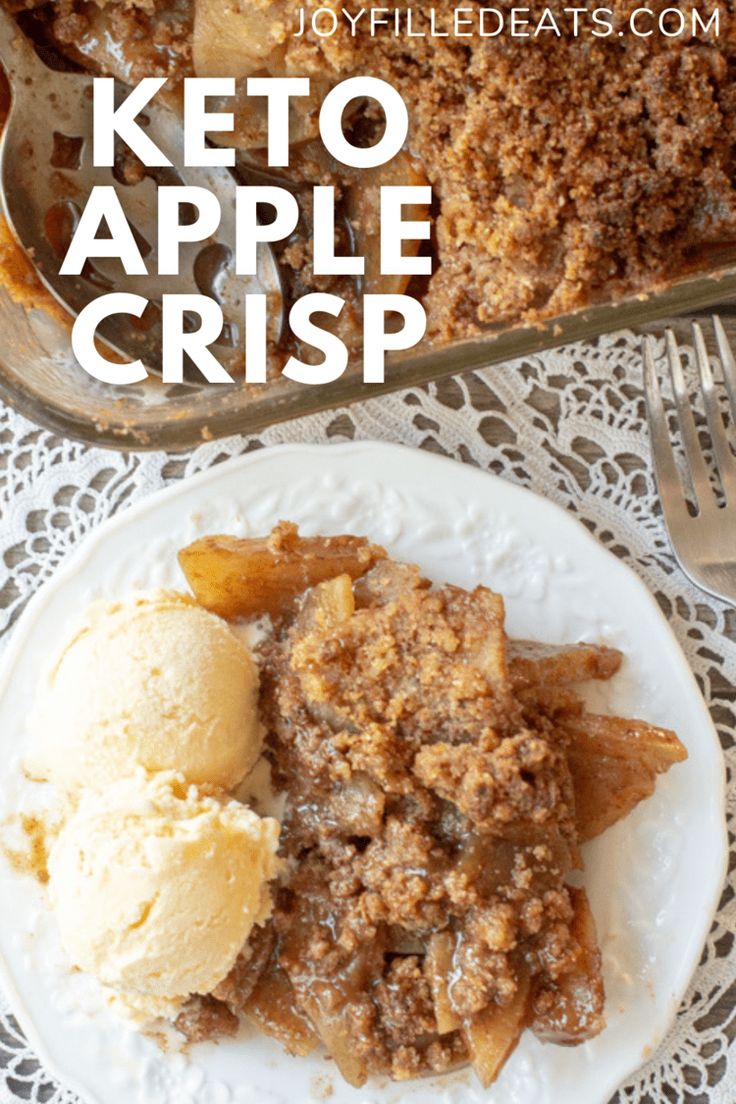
(157, 887)
(183, 696)
(416, 901)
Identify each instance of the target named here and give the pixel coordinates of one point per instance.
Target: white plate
(653, 880)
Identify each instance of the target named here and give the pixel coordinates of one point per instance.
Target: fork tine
(721, 448)
(671, 492)
(728, 363)
(688, 432)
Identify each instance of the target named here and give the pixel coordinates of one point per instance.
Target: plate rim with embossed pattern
(488, 513)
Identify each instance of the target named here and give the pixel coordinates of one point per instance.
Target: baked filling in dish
(439, 781)
(566, 170)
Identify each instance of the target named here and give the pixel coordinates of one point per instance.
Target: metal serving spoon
(46, 175)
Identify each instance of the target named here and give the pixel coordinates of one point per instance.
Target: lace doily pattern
(571, 425)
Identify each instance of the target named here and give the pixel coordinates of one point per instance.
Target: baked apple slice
(237, 577)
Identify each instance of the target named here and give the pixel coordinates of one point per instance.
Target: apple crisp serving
(439, 781)
(566, 169)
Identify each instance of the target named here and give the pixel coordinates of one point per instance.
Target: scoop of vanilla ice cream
(156, 888)
(155, 681)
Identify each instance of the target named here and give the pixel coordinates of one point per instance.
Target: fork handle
(17, 56)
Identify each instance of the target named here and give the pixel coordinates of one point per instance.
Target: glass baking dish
(38, 375)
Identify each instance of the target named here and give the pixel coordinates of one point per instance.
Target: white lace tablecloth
(569, 424)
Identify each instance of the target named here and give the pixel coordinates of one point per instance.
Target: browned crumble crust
(373, 716)
(438, 780)
(132, 40)
(566, 170)
(205, 1018)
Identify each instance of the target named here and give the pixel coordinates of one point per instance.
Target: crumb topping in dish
(566, 170)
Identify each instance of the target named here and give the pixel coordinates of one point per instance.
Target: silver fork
(704, 544)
